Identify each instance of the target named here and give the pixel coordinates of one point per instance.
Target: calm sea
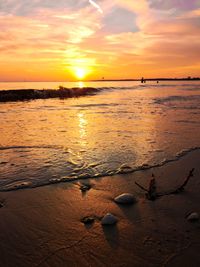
(126, 126)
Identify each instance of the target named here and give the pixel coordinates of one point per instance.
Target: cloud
(26, 7)
(120, 20)
(94, 4)
(171, 4)
(129, 38)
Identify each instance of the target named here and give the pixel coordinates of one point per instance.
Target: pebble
(194, 216)
(85, 187)
(109, 219)
(3, 162)
(87, 220)
(125, 198)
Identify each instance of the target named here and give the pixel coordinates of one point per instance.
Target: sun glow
(80, 73)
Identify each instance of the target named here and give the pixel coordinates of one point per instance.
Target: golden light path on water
(82, 127)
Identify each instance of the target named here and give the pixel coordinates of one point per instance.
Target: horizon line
(107, 80)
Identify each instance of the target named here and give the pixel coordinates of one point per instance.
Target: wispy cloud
(94, 4)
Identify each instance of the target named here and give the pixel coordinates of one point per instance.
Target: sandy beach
(42, 226)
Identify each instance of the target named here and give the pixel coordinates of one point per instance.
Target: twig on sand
(152, 194)
(182, 187)
(140, 186)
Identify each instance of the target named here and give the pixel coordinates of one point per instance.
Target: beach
(42, 226)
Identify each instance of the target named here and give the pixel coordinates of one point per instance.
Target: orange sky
(45, 40)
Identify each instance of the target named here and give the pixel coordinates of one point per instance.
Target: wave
(31, 94)
(89, 174)
(95, 105)
(175, 98)
(29, 147)
(63, 92)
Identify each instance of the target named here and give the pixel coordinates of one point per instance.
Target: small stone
(85, 187)
(109, 219)
(194, 216)
(125, 198)
(87, 220)
(125, 169)
(3, 162)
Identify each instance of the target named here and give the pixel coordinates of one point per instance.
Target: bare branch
(152, 193)
(140, 186)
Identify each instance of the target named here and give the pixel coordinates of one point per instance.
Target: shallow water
(124, 127)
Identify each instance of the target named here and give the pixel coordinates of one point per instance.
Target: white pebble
(125, 198)
(108, 219)
(194, 216)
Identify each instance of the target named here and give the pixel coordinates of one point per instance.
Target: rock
(194, 216)
(85, 187)
(125, 198)
(3, 162)
(124, 168)
(87, 220)
(109, 219)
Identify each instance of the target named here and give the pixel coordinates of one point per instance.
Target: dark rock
(125, 198)
(85, 187)
(87, 220)
(194, 216)
(109, 219)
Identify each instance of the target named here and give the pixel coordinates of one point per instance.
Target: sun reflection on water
(82, 123)
(81, 84)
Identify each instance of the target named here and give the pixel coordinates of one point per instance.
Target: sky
(48, 40)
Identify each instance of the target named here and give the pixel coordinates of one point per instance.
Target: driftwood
(152, 194)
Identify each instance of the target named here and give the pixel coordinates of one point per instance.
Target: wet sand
(42, 226)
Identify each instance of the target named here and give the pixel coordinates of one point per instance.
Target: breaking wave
(31, 94)
(79, 171)
(64, 92)
(176, 98)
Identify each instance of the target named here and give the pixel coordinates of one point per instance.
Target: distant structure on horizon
(143, 80)
(189, 78)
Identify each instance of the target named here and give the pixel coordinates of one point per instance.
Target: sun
(80, 73)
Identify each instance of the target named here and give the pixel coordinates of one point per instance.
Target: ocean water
(125, 127)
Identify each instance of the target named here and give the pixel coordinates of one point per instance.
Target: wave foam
(92, 174)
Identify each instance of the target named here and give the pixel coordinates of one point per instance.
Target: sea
(122, 128)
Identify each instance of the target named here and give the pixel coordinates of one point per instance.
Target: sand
(42, 226)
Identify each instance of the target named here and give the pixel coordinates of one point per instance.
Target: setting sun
(80, 73)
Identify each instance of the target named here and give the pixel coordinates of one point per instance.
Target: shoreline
(123, 170)
(42, 226)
